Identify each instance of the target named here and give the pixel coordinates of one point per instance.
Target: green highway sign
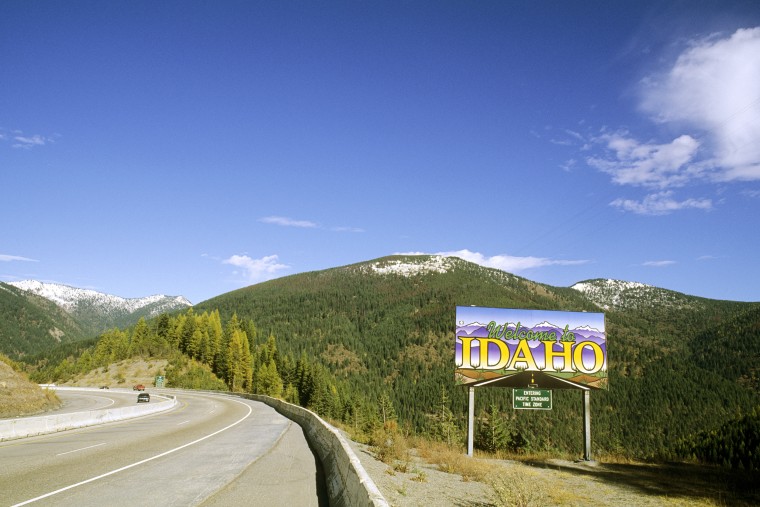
(532, 399)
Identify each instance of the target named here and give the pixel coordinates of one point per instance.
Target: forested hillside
(374, 342)
(387, 328)
(30, 324)
(36, 317)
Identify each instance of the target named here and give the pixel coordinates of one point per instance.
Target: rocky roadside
(549, 483)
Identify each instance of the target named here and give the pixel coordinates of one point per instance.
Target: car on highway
(143, 397)
(138, 387)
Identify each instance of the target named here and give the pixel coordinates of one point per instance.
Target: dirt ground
(562, 483)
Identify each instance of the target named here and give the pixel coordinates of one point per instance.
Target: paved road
(216, 449)
(82, 401)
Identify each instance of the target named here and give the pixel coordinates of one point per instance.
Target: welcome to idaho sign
(493, 343)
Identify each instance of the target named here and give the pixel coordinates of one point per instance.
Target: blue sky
(192, 148)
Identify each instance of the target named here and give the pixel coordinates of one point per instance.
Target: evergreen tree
(493, 433)
(268, 380)
(386, 411)
(445, 428)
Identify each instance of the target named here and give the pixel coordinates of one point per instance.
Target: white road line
(112, 472)
(183, 422)
(82, 449)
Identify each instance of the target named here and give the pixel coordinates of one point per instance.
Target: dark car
(143, 397)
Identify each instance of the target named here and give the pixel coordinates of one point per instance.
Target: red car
(139, 387)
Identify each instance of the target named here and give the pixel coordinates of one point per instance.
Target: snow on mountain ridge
(69, 298)
(619, 294)
(433, 264)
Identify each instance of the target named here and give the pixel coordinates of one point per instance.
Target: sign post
(532, 351)
(471, 421)
(587, 425)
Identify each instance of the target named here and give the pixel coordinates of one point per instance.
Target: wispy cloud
(305, 224)
(658, 264)
(660, 203)
(713, 88)
(288, 222)
(11, 258)
(509, 263)
(26, 142)
(257, 270)
(347, 229)
(710, 94)
(647, 164)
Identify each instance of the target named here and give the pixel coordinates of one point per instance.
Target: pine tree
(268, 380)
(386, 411)
(239, 368)
(493, 433)
(445, 427)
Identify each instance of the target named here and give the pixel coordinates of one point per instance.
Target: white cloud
(660, 203)
(287, 222)
(510, 263)
(29, 142)
(257, 270)
(713, 88)
(347, 229)
(710, 94)
(658, 264)
(647, 164)
(9, 258)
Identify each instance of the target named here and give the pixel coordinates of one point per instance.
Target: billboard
(530, 348)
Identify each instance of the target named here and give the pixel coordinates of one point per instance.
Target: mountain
(383, 330)
(387, 326)
(610, 294)
(30, 323)
(38, 315)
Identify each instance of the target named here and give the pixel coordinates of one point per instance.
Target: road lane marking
(141, 462)
(82, 449)
(183, 422)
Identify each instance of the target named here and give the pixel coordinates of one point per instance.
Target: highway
(211, 450)
(80, 401)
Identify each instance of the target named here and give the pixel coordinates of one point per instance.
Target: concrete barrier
(348, 484)
(31, 426)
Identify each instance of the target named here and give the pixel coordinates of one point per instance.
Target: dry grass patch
(453, 460)
(20, 397)
(518, 486)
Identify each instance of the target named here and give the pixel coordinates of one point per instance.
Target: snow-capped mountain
(99, 311)
(621, 295)
(410, 266)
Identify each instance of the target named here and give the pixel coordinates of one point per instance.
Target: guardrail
(348, 484)
(30, 426)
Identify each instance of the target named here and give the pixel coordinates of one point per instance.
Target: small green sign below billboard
(532, 399)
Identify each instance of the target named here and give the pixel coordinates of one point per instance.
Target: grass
(20, 397)
(518, 487)
(540, 479)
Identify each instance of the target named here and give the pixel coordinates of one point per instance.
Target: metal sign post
(587, 425)
(471, 421)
